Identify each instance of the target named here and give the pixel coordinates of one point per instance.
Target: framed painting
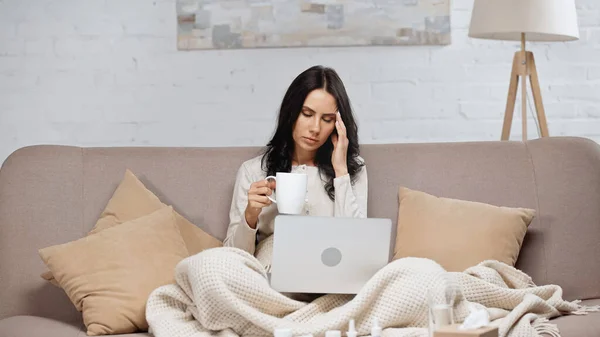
(226, 24)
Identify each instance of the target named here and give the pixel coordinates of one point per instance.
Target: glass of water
(440, 302)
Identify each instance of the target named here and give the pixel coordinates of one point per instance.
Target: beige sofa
(54, 194)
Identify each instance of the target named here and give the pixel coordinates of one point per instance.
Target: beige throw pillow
(132, 200)
(109, 276)
(458, 234)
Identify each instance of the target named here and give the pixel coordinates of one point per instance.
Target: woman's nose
(315, 126)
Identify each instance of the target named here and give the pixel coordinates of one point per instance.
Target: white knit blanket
(225, 292)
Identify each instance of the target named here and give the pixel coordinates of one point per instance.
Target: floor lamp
(524, 20)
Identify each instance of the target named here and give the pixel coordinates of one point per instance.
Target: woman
(316, 134)
(311, 137)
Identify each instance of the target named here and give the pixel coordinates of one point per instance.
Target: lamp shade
(540, 20)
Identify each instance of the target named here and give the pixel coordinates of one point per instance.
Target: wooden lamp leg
(512, 97)
(524, 73)
(537, 96)
(524, 66)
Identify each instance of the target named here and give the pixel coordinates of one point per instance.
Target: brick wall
(106, 72)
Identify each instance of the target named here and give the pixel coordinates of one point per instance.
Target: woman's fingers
(261, 187)
(257, 195)
(259, 201)
(341, 127)
(260, 183)
(264, 190)
(272, 184)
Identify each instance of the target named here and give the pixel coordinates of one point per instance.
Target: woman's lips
(311, 140)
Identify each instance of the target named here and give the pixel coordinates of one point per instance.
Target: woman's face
(316, 121)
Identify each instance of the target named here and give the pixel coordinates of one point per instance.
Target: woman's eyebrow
(307, 108)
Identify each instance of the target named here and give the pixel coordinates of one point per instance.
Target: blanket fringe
(584, 309)
(543, 326)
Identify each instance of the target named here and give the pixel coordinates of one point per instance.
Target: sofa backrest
(54, 194)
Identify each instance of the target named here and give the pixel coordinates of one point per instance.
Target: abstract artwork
(233, 24)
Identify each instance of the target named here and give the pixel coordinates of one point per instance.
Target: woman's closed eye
(326, 118)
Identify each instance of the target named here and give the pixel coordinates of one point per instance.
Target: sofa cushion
(456, 233)
(108, 276)
(32, 326)
(582, 326)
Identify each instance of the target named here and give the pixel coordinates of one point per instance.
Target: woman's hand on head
(257, 200)
(340, 148)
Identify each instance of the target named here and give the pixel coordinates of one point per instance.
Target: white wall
(106, 72)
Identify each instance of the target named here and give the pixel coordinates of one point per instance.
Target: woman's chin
(308, 147)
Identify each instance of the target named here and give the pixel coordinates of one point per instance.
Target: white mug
(291, 192)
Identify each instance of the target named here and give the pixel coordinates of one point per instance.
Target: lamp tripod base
(523, 67)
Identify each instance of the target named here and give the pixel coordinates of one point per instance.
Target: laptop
(328, 255)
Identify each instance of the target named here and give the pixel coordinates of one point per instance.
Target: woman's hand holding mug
(290, 199)
(257, 200)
